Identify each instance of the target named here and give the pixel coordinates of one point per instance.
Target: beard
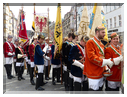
(100, 36)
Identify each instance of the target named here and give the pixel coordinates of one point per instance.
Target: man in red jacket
(95, 61)
(9, 52)
(31, 53)
(114, 52)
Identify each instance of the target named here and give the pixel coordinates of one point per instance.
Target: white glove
(78, 64)
(118, 59)
(20, 56)
(24, 56)
(46, 57)
(45, 48)
(121, 57)
(13, 53)
(10, 54)
(107, 62)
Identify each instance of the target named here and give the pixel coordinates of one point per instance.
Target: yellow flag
(97, 19)
(58, 35)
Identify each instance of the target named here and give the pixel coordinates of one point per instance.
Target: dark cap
(16, 40)
(10, 36)
(85, 38)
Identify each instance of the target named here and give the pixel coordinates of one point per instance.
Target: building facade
(66, 24)
(9, 23)
(114, 15)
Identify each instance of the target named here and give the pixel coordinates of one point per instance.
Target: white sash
(9, 45)
(102, 51)
(114, 50)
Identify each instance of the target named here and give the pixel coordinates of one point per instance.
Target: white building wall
(110, 12)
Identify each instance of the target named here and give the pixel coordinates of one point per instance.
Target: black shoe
(66, 89)
(46, 78)
(50, 78)
(19, 78)
(44, 83)
(22, 78)
(9, 77)
(59, 81)
(53, 83)
(40, 89)
(12, 76)
(32, 82)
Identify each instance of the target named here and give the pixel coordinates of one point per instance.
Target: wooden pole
(48, 45)
(35, 34)
(61, 70)
(34, 18)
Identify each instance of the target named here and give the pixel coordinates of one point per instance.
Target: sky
(29, 10)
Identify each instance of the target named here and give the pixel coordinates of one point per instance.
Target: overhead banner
(41, 24)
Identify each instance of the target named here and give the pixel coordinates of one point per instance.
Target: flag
(58, 35)
(97, 19)
(83, 26)
(22, 31)
(33, 26)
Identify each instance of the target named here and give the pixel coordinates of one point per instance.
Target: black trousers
(20, 70)
(56, 74)
(8, 68)
(47, 71)
(28, 68)
(39, 80)
(66, 79)
(110, 89)
(15, 68)
(31, 73)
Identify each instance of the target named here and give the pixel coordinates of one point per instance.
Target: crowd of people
(86, 65)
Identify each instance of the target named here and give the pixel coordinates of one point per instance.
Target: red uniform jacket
(8, 47)
(116, 69)
(31, 52)
(94, 59)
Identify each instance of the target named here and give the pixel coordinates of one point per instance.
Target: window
(4, 17)
(114, 6)
(114, 21)
(10, 28)
(110, 23)
(10, 21)
(106, 8)
(107, 23)
(110, 6)
(9, 14)
(120, 23)
(5, 26)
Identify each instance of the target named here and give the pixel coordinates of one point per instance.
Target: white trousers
(8, 60)
(113, 85)
(95, 83)
(26, 59)
(32, 64)
(78, 79)
(19, 64)
(64, 68)
(29, 62)
(40, 68)
(46, 62)
(56, 66)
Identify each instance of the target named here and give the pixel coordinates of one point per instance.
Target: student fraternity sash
(9, 45)
(36, 45)
(114, 50)
(71, 43)
(20, 50)
(102, 51)
(81, 50)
